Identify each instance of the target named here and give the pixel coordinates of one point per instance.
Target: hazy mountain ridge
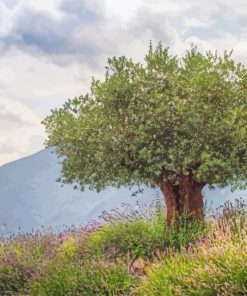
(31, 197)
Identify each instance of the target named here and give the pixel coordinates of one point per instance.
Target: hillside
(30, 196)
(132, 255)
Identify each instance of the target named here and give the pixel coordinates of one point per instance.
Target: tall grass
(98, 277)
(215, 266)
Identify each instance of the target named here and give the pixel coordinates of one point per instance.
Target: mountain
(30, 196)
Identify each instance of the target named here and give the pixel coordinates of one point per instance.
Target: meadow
(131, 253)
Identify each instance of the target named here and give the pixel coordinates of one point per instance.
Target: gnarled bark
(185, 196)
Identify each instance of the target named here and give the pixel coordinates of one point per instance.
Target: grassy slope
(132, 254)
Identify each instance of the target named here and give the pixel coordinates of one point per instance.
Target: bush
(225, 273)
(207, 270)
(12, 280)
(185, 232)
(137, 238)
(21, 257)
(231, 219)
(140, 236)
(92, 278)
(162, 279)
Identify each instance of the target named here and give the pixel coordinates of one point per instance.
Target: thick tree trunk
(185, 196)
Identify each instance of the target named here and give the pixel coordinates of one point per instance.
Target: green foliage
(222, 272)
(20, 258)
(212, 267)
(12, 280)
(68, 248)
(143, 237)
(162, 279)
(185, 231)
(145, 122)
(234, 219)
(61, 279)
(194, 259)
(138, 238)
(89, 279)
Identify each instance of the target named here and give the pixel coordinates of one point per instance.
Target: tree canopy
(149, 121)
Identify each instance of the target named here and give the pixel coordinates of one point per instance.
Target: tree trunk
(185, 196)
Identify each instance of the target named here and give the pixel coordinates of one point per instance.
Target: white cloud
(16, 112)
(32, 79)
(195, 23)
(237, 6)
(18, 123)
(122, 9)
(5, 19)
(224, 42)
(50, 50)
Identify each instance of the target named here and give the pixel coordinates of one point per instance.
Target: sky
(49, 50)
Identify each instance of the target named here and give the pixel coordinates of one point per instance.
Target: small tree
(176, 123)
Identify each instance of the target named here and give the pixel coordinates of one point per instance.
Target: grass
(98, 277)
(132, 253)
(215, 270)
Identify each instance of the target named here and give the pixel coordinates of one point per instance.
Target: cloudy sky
(49, 50)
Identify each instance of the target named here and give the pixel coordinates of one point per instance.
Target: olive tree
(176, 123)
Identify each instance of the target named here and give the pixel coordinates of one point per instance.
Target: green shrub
(92, 278)
(20, 258)
(185, 232)
(12, 280)
(106, 279)
(225, 274)
(162, 279)
(142, 237)
(218, 270)
(57, 280)
(139, 238)
(232, 219)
